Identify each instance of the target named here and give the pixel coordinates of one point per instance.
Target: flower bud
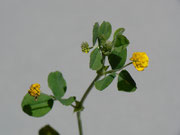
(85, 47)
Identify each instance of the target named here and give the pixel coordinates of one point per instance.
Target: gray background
(40, 36)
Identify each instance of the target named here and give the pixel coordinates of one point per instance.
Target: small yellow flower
(34, 90)
(140, 60)
(85, 47)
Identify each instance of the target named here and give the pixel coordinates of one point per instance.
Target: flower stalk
(115, 70)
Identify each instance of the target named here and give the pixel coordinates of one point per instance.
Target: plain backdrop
(41, 36)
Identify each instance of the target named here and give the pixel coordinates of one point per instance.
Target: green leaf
(118, 31)
(105, 29)
(37, 108)
(95, 59)
(57, 84)
(48, 130)
(105, 82)
(67, 101)
(95, 32)
(117, 59)
(125, 82)
(120, 40)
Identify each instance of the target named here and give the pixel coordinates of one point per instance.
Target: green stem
(82, 101)
(79, 123)
(85, 96)
(115, 70)
(89, 89)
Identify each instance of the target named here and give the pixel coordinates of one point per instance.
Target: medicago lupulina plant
(37, 103)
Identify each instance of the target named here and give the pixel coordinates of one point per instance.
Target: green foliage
(48, 130)
(67, 101)
(105, 82)
(117, 59)
(95, 32)
(37, 108)
(125, 82)
(120, 40)
(105, 30)
(95, 59)
(118, 31)
(102, 32)
(57, 84)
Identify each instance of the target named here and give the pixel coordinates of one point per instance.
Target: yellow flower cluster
(85, 47)
(140, 60)
(34, 90)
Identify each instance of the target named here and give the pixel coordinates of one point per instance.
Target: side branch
(89, 89)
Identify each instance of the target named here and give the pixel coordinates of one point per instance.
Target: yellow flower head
(34, 90)
(140, 60)
(85, 47)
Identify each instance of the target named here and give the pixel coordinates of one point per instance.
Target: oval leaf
(37, 108)
(117, 59)
(57, 84)
(105, 29)
(118, 31)
(95, 59)
(48, 130)
(95, 32)
(125, 82)
(120, 40)
(105, 82)
(67, 101)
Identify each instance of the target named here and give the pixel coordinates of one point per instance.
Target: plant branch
(89, 89)
(85, 96)
(115, 70)
(82, 101)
